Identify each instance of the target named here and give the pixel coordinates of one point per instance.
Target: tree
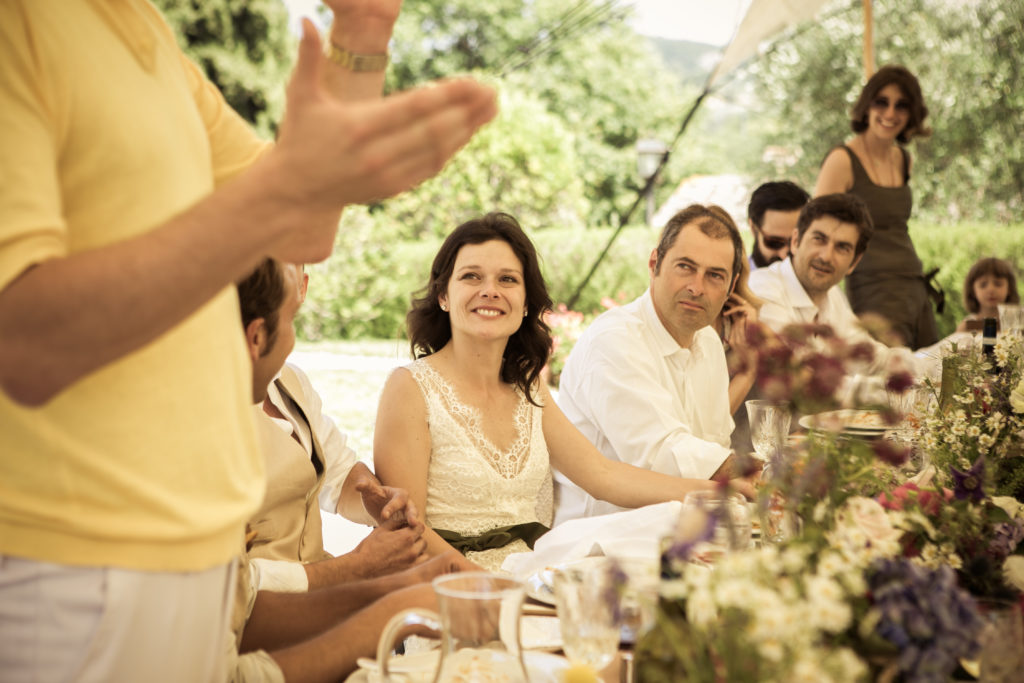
(967, 57)
(243, 46)
(592, 72)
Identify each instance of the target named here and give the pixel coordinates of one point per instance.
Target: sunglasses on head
(775, 243)
(882, 102)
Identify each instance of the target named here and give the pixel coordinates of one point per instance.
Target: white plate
(540, 633)
(540, 585)
(854, 422)
(541, 667)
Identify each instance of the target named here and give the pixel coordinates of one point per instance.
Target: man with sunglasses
(829, 241)
(772, 214)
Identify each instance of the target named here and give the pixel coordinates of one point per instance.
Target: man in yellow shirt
(131, 199)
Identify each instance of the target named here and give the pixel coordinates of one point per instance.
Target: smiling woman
(889, 280)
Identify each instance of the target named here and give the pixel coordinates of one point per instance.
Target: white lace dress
(472, 486)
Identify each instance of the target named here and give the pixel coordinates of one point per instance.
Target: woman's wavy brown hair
(528, 348)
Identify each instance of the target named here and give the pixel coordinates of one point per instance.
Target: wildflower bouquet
(840, 607)
(978, 536)
(981, 413)
(810, 368)
(836, 599)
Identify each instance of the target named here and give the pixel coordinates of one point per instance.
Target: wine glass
(728, 519)
(589, 614)
(769, 426)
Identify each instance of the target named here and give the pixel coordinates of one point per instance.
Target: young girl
(989, 282)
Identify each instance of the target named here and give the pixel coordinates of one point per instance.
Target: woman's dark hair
(996, 267)
(430, 328)
(845, 208)
(907, 82)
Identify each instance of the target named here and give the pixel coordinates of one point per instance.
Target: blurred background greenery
(561, 155)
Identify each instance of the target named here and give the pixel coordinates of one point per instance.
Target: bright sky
(704, 21)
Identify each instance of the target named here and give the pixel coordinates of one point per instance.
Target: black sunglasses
(775, 243)
(882, 102)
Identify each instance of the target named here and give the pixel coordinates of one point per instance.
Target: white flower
(770, 649)
(973, 431)
(1017, 397)
(1013, 570)
(701, 609)
(1010, 506)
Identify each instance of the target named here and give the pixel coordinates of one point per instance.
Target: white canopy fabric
(763, 20)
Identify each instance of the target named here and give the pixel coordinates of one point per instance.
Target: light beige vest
(288, 525)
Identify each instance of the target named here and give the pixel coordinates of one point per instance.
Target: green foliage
(587, 80)
(966, 56)
(243, 46)
(364, 289)
(523, 163)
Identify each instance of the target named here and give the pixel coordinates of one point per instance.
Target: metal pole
(869, 47)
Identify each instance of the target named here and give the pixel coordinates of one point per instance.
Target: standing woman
(874, 165)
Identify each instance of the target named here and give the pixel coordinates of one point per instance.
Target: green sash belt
(495, 538)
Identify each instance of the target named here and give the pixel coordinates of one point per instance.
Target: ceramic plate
(854, 422)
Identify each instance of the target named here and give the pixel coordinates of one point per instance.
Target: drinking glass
(1011, 317)
(769, 426)
(728, 519)
(587, 597)
(1001, 655)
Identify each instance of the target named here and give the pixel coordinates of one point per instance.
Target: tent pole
(869, 48)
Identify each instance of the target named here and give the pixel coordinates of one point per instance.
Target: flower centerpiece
(837, 599)
(980, 414)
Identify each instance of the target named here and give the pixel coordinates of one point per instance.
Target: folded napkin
(633, 533)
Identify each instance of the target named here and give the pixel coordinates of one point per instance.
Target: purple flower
(1006, 537)
(890, 453)
(926, 615)
(826, 373)
(899, 382)
(968, 485)
(862, 351)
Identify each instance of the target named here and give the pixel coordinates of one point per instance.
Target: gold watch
(354, 62)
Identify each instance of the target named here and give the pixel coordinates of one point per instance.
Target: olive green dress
(889, 279)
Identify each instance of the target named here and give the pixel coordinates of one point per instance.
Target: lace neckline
(507, 462)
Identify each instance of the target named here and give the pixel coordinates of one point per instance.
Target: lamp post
(649, 153)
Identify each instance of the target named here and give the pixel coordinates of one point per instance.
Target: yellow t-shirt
(150, 462)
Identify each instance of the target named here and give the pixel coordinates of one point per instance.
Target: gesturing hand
(386, 503)
(332, 153)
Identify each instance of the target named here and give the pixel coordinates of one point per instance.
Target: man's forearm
(67, 317)
(282, 619)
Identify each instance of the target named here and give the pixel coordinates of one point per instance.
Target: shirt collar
(664, 342)
(794, 290)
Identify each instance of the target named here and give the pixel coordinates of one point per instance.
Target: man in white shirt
(647, 383)
(831, 235)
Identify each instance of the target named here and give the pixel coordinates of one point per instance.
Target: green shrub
(364, 289)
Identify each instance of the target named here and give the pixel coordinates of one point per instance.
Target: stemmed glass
(769, 426)
(589, 613)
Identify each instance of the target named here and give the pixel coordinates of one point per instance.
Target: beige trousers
(61, 623)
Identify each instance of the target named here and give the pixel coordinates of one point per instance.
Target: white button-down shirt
(786, 302)
(644, 400)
